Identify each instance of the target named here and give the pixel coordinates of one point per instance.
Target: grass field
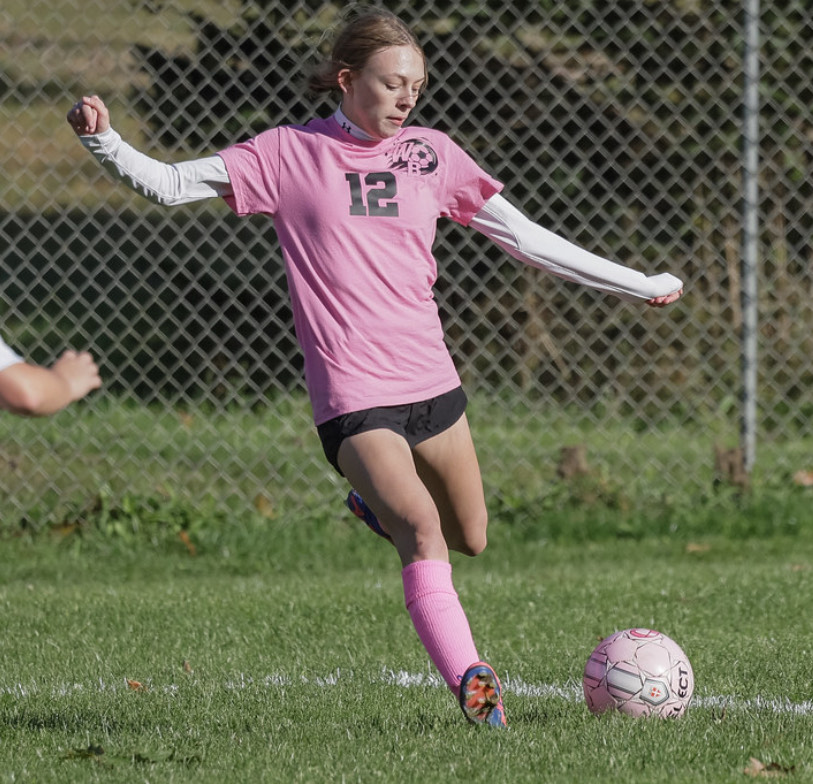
(279, 650)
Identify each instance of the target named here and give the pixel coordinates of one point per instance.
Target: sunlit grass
(124, 657)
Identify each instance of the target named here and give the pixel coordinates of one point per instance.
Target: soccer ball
(639, 672)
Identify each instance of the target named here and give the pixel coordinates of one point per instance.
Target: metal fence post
(750, 237)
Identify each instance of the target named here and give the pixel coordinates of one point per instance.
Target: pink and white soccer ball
(640, 672)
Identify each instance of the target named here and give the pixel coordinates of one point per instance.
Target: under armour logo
(346, 127)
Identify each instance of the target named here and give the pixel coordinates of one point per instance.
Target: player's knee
(473, 546)
(473, 538)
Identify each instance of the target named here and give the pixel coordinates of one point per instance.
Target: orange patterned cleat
(481, 696)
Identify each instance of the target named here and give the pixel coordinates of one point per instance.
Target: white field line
(570, 691)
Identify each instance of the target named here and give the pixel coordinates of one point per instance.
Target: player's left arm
(532, 244)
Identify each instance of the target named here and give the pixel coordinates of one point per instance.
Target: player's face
(380, 96)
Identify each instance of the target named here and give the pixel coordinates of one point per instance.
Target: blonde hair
(368, 31)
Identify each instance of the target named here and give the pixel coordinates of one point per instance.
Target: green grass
(282, 652)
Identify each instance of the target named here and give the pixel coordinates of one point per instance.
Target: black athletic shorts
(415, 422)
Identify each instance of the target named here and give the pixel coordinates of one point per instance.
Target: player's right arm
(161, 183)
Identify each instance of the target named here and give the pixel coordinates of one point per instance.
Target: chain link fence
(616, 124)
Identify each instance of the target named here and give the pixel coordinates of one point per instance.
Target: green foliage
(588, 509)
(135, 520)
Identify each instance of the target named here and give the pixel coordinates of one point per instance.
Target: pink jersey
(356, 221)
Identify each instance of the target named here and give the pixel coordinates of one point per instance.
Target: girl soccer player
(354, 199)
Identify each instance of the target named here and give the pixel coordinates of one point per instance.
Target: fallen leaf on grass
(91, 752)
(262, 503)
(135, 685)
(188, 543)
(65, 529)
(154, 759)
(695, 547)
(804, 478)
(97, 755)
(756, 767)
(94, 754)
(719, 717)
(187, 667)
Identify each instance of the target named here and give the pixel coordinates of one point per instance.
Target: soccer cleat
(355, 503)
(481, 696)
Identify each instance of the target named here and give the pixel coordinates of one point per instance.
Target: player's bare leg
(380, 466)
(448, 466)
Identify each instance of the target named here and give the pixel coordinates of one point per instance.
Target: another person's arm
(32, 390)
(528, 242)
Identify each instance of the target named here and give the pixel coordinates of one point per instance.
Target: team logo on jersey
(414, 155)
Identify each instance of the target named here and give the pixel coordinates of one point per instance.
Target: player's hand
(659, 302)
(89, 116)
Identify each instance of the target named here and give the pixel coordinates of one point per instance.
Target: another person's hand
(89, 116)
(79, 372)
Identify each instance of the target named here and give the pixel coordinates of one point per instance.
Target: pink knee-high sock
(439, 619)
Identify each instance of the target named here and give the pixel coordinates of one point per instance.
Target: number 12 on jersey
(370, 197)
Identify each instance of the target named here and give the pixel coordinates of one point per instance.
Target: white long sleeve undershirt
(530, 243)
(168, 184)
